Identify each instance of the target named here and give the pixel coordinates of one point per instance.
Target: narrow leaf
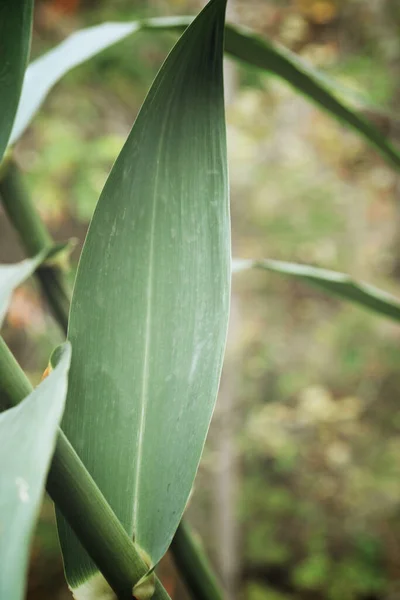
(28, 433)
(150, 307)
(44, 72)
(332, 282)
(260, 53)
(15, 35)
(11, 276)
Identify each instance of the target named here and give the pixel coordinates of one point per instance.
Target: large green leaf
(244, 45)
(15, 35)
(27, 439)
(150, 307)
(332, 282)
(11, 276)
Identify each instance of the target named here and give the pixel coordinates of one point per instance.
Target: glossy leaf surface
(11, 276)
(150, 307)
(27, 439)
(332, 282)
(15, 36)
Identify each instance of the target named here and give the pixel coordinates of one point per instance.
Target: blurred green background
(298, 493)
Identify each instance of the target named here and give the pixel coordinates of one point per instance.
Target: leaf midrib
(144, 396)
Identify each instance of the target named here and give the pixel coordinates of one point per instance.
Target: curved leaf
(44, 72)
(260, 53)
(28, 434)
(11, 276)
(149, 312)
(15, 35)
(332, 282)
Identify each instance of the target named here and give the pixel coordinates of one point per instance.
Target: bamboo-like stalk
(194, 566)
(80, 500)
(192, 563)
(34, 237)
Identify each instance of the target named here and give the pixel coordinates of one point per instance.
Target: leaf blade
(11, 276)
(15, 34)
(332, 282)
(269, 57)
(164, 216)
(45, 71)
(28, 434)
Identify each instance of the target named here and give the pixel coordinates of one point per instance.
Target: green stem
(51, 282)
(194, 566)
(34, 237)
(80, 500)
(22, 213)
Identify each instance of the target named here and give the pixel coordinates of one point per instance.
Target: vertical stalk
(34, 237)
(194, 566)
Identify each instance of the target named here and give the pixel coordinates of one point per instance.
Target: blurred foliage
(317, 399)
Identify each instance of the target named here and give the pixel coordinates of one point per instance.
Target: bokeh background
(298, 493)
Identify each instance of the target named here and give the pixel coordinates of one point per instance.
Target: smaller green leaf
(44, 72)
(259, 52)
(27, 439)
(331, 282)
(15, 35)
(11, 276)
